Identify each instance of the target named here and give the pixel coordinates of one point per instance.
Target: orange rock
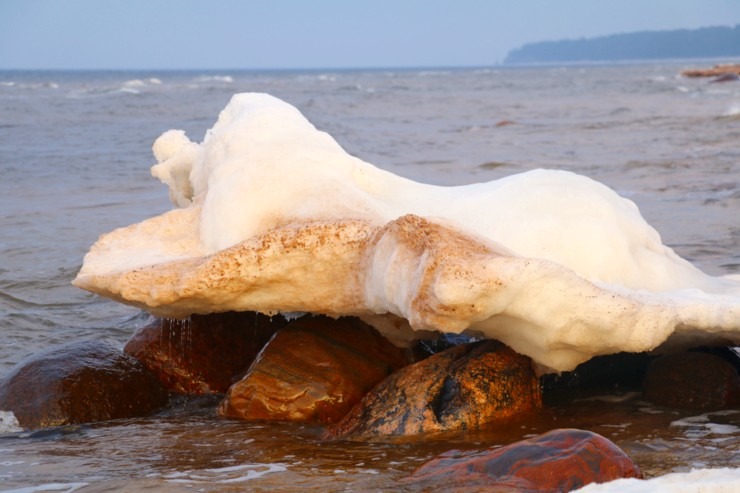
(557, 461)
(715, 71)
(203, 354)
(692, 380)
(315, 370)
(461, 388)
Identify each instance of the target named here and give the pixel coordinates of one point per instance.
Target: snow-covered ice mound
(274, 216)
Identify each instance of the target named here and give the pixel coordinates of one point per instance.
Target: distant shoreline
(708, 42)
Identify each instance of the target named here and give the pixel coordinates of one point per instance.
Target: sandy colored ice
(274, 216)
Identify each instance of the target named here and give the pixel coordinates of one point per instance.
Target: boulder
(557, 461)
(202, 354)
(692, 380)
(313, 370)
(461, 388)
(621, 372)
(79, 382)
(717, 70)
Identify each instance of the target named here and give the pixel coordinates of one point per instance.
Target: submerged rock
(692, 380)
(315, 369)
(557, 461)
(462, 388)
(202, 354)
(79, 382)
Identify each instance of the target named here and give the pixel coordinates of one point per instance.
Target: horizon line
(496, 65)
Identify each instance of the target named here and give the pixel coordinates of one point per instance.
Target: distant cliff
(684, 43)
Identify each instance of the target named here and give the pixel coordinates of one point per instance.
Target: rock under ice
(274, 216)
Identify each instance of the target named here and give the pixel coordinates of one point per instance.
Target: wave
(733, 110)
(215, 78)
(33, 85)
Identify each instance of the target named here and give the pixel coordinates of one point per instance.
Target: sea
(75, 153)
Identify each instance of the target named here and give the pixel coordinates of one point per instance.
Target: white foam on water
(226, 475)
(134, 83)
(61, 487)
(215, 78)
(702, 425)
(732, 110)
(9, 423)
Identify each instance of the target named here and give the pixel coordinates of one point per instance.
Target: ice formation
(721, 480)
(274, 216)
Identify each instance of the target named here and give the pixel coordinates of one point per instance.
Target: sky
(285, 34)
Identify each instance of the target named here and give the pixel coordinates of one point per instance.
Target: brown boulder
(557, 461)
(717, 70)
(692, 380)
(79, 382)
(203, 354)
(461, 388)
(315, 369)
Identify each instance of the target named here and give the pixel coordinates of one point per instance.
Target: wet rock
(203, 354)
(557, 461)
(79, 382)
(314, 370)
(726, 78)
(613, 372)
(425, 348)
(692, 380)
(716, 71)
(461, 388)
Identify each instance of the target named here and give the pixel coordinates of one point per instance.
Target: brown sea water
(74, 159)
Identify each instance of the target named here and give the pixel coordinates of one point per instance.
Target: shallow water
(190, 449)
(75, 153)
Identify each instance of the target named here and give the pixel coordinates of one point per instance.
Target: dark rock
(464, 387)
(614, 372)
(313, 370)
(424, 348)
(692, 380)
(726, 78)
(557, 461)
(79, 382)
(203, 354)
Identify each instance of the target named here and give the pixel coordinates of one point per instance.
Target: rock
(717, 70)
(79, 382)
(692, 380)
(613, 372)
(726, 78)
(557, 461)
(425, 348)
(203, 354)
(461, 388)
(314, 370)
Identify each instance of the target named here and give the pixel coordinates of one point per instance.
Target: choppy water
(74, 159)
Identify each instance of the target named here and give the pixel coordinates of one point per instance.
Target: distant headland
(706, 42)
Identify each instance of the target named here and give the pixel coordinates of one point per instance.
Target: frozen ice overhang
(275, 217)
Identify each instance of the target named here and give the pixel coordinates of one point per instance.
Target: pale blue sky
(253, 34)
